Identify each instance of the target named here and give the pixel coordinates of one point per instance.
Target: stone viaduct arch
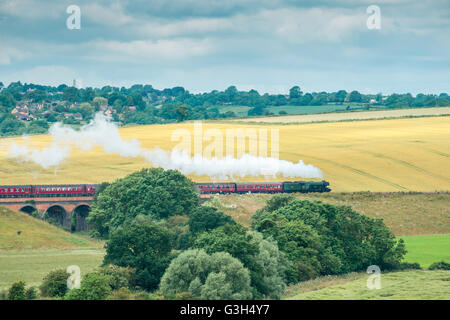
(70, 213)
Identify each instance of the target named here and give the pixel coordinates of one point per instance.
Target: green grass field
(428, 249)
(40, 248)
(242, 111)
(407, 285)
(32, 265)
(21, 231)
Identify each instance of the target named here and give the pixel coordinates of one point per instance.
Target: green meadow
(427, 249)
(242, 111)
(406, 285)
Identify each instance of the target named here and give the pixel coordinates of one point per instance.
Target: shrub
(217, 276)
(407, 266)
(17, 291)
(3, 294)
(30, 293)
(94, 286)
(121, 277)
(121, 294)
(54, 284)
(441, 265)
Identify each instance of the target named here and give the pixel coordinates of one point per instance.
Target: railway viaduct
(64, 210)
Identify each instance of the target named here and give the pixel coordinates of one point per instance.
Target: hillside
(403, 213)
(20, 231)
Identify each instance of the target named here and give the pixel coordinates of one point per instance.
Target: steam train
(39, 191)
(77, 190)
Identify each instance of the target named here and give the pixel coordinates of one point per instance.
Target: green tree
(94, 286)
(295, 92)
(207, 218)
(30, 293)
(355, 96)
(54, 284)
(120, 277)
(144, 247)
(11, 127)
(38, 126)
(326, 239)
(153, 192)
(17, 291)
(98, 102)
(71, 95)
(182, 112)
(216, 276)
(248, 248)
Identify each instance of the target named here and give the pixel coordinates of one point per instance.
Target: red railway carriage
(91, 189)
(266, 187)
(16, 191)
(59, 190)
(216, 187)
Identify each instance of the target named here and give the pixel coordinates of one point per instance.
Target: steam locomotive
(77, 190)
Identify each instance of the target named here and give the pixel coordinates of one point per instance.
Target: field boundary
(311, 118)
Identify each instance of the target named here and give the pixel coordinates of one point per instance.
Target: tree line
(150, 105)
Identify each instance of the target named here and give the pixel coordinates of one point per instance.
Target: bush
(17, 291)
(407, 266)
(121, 277)
(30, 293)
(441, 265)
(121, 294)
(54, 284)
(94, 286)
(217, 276)
(4, 295)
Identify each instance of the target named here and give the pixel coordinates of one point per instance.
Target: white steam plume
(103, 133)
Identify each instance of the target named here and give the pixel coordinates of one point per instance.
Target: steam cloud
(103, 133)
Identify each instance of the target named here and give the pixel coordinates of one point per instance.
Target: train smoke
(105, 134)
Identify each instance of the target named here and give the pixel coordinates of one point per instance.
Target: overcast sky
(202, 45)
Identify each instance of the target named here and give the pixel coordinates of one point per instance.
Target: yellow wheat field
(383, 155)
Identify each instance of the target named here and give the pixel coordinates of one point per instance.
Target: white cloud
(177, 49)
(32, 9)
(106, 15)
(9, 54)
(44, 74)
